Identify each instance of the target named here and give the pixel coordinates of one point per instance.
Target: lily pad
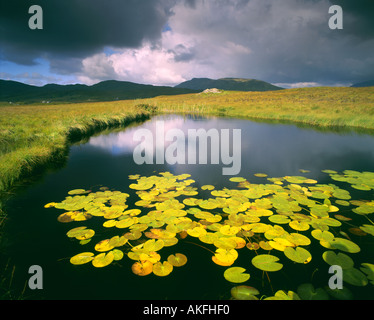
(82, 258)
(368, 269)
(282, 295)
(103, 259)
(340, 259)
(244, 293)
(344, 245)
(142, 268)
(340, 294)
(354, 277)
(299, 225)
(162, 269)
(236, 275)
(306, 291)
(177, 260)
(298, 254)
(368, 228)
(267, 262)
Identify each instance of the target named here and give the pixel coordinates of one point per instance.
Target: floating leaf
(368, 268)
(177, 260)
(118, 254)
(368, 228)
(142, 268)
(228, 230)
(298, 254)
(162, 269)
(125, 223)
(299, 225)
(82, 258)
(196, 232)
(344, 245)
(340, 259)
(236, 275)
(81, 233)
(306, 291)
(340, 294)
(279, 219)
(282, 295)
(103, 259)
(237, 179)
(357, 232)
(225, 257)
(260, 175)
(267, 262)
(354, 277)
(342, 218)
(244, 293)
(77, 191)
(50, 205)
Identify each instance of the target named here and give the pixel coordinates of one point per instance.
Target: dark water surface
(35, 237)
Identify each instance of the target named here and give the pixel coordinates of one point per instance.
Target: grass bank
(324, 106)
(32, 136)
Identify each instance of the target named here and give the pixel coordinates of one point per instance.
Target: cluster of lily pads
(282, 216)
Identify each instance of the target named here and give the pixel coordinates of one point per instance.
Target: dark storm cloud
(78, 28)
(358, 17)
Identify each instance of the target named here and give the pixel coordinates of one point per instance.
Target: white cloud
(285, 42)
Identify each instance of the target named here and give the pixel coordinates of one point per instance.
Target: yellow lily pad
(236, 275)
(103, 259)
(142, 268)
(162, 269)
(177, 260)
(82, 258)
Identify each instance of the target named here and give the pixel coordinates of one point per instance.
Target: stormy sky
(165, 42)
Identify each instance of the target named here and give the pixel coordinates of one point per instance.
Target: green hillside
(111, 90)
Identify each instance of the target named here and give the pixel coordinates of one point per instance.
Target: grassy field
(343, 107)
(33, 135)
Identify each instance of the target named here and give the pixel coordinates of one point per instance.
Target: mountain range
(110, 90)
(236, 84)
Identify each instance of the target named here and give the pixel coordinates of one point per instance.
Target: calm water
(35, 237)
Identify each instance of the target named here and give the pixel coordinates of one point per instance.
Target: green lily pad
(298, 254)
(282, 295)
(354, 277)
(368, 228)
(339, 259)
(82, 258)
(279, 219)
(77, 191)
(244, 293)
(340, 294)
(344, 245)
(306, 291)
(236, 275)
(162, 269)
(267, 262)
(103, 259)
(177, 260)
(368, 268)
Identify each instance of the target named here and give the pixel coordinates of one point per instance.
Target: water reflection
(275, 149)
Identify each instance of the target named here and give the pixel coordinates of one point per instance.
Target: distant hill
(364, 84)
(16, 92)
(234, 84)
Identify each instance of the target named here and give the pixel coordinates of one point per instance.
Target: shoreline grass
(31, 136)
(323, 106)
